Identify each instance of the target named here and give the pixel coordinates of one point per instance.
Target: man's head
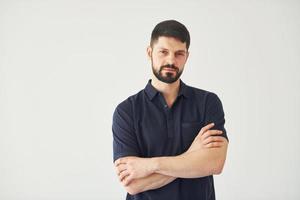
(168, 50)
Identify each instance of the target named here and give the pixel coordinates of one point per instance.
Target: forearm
(150, 182)
(206, 156)
(195, 164)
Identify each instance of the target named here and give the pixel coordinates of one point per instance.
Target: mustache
(170, 66)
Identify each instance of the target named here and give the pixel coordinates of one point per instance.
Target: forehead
(170, 43)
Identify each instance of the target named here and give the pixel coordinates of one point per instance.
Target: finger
(117, 162)
(120, 161)
(211, 133)
(126, 181)
(214, 145)
(120, 168)
(212, 139)
(207, 127)
(123, 175)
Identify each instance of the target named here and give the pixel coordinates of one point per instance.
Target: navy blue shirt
(144, 126)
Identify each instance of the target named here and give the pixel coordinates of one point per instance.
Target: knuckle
(210, 139)
(205, 135)
(206, 141)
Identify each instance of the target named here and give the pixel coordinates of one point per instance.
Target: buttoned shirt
(144, 126)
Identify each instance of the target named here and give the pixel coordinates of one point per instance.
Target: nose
(171, 59)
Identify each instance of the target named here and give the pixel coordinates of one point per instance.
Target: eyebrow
(181, 51)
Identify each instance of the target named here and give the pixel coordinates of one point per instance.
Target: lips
(169, 69)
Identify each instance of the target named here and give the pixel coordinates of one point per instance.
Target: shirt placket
(169, 117)
(170, 122)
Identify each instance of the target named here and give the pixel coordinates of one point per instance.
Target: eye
(180, 54)
(164, 52)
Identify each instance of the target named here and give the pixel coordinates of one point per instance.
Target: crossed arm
(206, 156)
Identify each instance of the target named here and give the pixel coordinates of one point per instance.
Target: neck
(168, 90)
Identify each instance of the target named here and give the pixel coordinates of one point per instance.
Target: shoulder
(202, 94)
(128, 104)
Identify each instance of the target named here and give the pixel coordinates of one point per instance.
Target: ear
(187, 55)
(149, 52)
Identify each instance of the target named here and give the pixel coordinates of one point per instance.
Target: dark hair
(171, 28)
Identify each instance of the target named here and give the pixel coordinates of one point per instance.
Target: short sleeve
(124, 138)
(214, 113)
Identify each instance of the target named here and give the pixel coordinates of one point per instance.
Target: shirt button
(166, 105)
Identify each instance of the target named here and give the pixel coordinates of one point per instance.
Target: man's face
(168, 56)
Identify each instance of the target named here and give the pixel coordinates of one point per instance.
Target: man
(169, 139)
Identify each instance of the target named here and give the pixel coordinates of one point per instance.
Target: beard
(167, 77)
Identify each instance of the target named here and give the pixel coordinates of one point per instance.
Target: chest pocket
(189, 130)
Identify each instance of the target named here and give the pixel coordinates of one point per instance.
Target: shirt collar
(183, 90)
(151, 91)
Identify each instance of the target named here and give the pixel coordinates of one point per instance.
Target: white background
(65, 65)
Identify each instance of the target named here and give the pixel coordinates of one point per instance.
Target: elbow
(218, 169)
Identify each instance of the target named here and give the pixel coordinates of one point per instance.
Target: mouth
(169, 69)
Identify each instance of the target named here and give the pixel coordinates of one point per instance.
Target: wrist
(154, 166)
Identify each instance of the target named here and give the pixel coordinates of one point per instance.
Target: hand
(130, 168)
(207, 138)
